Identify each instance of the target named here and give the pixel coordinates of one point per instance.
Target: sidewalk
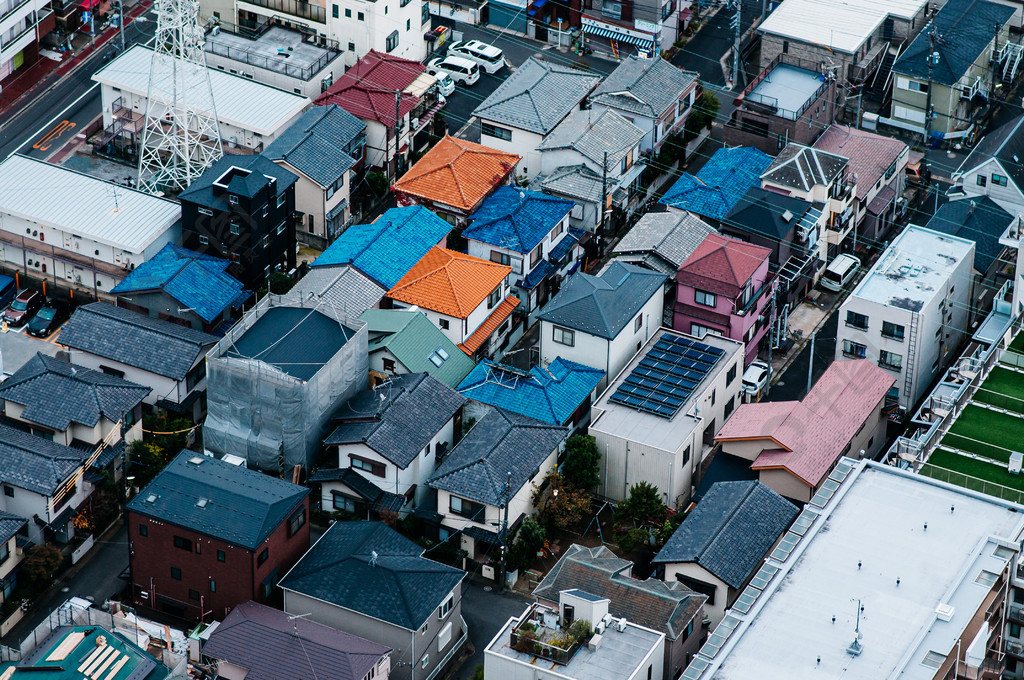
(45, 72)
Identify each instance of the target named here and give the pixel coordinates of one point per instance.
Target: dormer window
(232, 199)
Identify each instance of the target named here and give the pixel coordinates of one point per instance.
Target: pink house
(724, 288)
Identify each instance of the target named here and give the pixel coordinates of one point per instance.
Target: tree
(561, 506)
(581, 469)
(643, 504)
(702, 115)
(524, 546)
(165, 437)
(280, 283)
(39, 565)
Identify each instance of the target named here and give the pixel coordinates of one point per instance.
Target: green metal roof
(414, 341)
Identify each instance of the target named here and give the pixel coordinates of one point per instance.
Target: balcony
(1015, 648)
(11, 8)
(296, 8)
(536, 636)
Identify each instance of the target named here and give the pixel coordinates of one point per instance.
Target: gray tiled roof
(576, 181)
(501, 442)
(264, 641)
(670, 236)
(603, 305)
(55, 393)
(663, 606)
(377, 498)
(10, 525)
(36, 463)
(537, 96)
(730, 531)
(135, 339)
(342, 286)
(314, 144)
(592, 133)
(398, 419)
(242, 506)
(1006, 145)
(399, 585)
(645, 87)
(804, 167)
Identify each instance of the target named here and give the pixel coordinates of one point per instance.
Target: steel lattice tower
(180, 137)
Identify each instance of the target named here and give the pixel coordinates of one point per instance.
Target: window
(444, 324)
(460, 506)
(500, 257)
(222, 556)
(494, 298)
(729, 407)
(1015, 630)
(915, 86)
(348, 13)
(444, 637)
(374, 468)
(730, 375)
(704, 298)
(999, 180)
(892, 331)
(280, 229)
(686, 456)
(206, 211)
(234, 228)
(143, 530)
(296, 521)
(856, 320)
(982, 180)
(361, 16)
(175, 573)
(5, 552)
(408, 22)
(280, 200)
(611, 9)
(698, 586)
(203, 240)
(343, 503)
(700, 331)
(446, 607)
(193, 594)
(638, 323)
(556, 231)
(890, 360)
(536, 255)
(263, 557)
(854, 350)
(334, 11)
(351, 45)
(490, 130)
(389, 365)
(392, 41)
(785, 47)
(424, 661)
(182, 543)
(232, 199)
(213, 586)
(8, 491)
(563, 336)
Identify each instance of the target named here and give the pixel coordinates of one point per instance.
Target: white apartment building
(21, 24)
(67, 226)
(910, 311)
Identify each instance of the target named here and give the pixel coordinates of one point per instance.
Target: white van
(461, 70)
(490, 58)
(839, 272)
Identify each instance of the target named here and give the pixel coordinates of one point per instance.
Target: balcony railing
(296, 8)
(11, 9)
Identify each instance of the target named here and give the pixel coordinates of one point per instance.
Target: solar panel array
(667, 376)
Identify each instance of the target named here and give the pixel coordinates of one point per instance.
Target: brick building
(205, 536)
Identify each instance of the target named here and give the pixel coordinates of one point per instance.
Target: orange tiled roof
(449, 283)
(497, 317)
(457, 173)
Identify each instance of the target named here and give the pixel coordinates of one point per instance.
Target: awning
(880, 202)
(338, 209)
(620, 37)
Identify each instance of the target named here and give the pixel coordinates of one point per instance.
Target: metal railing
(256, 60)
(12, 9)
(296, 8)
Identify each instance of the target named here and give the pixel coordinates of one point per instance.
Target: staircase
(879, 85)
(1011, 61)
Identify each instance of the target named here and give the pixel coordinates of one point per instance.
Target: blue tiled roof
(720, 183)
(539, 273)
(197, 281)
(516, 219)
(551, 394)
(388, 248)
(563, 247)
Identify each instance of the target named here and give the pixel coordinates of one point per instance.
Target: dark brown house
(206, 535)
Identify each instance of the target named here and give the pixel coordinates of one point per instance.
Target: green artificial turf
(978, 472)
(1003, 388)
(986, 433)
(1017, 345)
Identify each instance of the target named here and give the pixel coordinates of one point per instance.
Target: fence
(972, 483)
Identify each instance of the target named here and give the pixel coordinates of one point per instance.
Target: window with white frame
(705, 298)
(446, 606)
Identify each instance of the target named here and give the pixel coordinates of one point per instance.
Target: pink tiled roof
(807, 437)
(722, 265)
(870, 154)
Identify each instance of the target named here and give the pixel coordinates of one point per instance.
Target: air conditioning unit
(621, 625)
(599, 629)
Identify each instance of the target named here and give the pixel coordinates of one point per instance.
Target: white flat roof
(76, 203)
(876, 517)
(914, 268)
(842, 25)
(239, 101)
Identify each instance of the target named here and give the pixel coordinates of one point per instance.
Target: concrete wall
(523, 143)
(380, 19)
(724, 595)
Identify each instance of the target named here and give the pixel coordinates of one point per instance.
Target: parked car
(755, 379)
(490, 58)
(461, 70)
(445, 85)
(24, 306)
(840, 272)
(8, 289)
(48, 319)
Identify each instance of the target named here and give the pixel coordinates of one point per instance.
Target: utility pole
(120, 21)
(398, 127)
(995, 61)
(506, 493)
(736, 43)
(604, 199)
(933, 59)
(810, 365)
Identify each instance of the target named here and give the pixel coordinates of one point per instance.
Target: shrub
(582, 466)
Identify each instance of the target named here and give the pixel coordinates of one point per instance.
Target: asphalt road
(793, 384)
(704, 51)
(42, 126)
(485, 613)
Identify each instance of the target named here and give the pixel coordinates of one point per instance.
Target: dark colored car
(48, 319)
(24, 306)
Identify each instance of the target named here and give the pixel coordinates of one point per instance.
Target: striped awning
(620, 37)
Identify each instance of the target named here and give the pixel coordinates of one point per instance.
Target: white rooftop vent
(196, 460)
(151, 498)
(595, 642)
(787, 216)
(202, 502)
(237, 461)
(621, 624)
(945, 612)
(1016, 459)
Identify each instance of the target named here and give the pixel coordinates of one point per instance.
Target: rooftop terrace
(276, 48)
(788, 89)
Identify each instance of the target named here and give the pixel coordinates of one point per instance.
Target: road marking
(59, 116)
(44, 143)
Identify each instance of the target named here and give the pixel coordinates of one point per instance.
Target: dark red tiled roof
(367, 90)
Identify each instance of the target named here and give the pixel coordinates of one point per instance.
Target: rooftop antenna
(373, 558)
(856, 647)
